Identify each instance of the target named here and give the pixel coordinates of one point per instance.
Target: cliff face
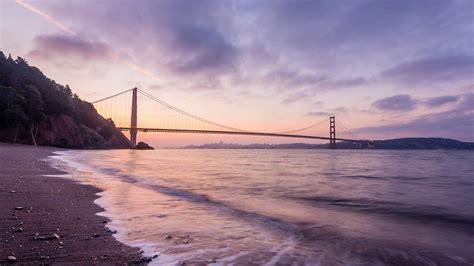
(36, 110)
(63, 131)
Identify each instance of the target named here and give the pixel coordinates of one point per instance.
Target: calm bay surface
(314, 207)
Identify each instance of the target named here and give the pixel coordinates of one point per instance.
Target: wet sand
(51, 220)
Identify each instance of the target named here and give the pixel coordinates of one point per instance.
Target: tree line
(28, 98)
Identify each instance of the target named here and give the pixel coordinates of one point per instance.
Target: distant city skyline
(386, 68)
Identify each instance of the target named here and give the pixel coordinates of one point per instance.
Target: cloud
(455, 123)
(447, 124)
(383, 18)
(296, 97)
(297, 78)
(318, 104)
(466, 103)
(402, 102)
(69, 48)
(313, 45)
(167, 37)
(344, 83)
(328, 33)
(334, 111)
(303, 85)
(282, 78)
(202, 48)
(432, 69)
(441, 100)
(317, 114)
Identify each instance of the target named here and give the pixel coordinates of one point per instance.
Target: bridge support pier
(332, 132)
(133, 119)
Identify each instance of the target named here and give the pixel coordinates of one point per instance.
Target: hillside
(424, 144)
(36, 110)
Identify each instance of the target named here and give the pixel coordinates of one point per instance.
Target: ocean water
(287, 207)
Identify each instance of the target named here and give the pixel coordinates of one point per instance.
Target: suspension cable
(208, 122)
(305, 128)
(188, 114)
(115, 95)
(346, 129)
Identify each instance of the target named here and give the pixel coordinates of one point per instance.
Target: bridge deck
(234, 133)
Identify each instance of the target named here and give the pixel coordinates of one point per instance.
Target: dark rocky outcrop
(143, 146)
(63, 131)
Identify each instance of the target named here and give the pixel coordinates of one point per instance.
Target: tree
(11, 102)
(34, 111)
(21, 61)
(10, 59)
(68, 90)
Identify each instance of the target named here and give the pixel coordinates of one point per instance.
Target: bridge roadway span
(250, 133)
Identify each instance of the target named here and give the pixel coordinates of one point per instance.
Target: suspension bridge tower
(332, 132)
(133, 118)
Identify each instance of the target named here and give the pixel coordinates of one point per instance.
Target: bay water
(286, 207)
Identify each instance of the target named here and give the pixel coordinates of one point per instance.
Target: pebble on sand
(18, 208)
(11, 259)
(50, 237)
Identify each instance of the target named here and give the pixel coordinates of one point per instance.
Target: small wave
(330, 238)
(405, 178)
(109, 170)
(419, 213)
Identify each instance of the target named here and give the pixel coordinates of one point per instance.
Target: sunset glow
(237, 132)
(217, 65)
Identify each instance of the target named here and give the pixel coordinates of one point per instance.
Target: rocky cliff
(36, 110)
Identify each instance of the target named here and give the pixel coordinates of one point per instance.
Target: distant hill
(36, 110)
(391, 144)
(423, 144)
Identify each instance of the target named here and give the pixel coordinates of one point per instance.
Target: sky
(385, 69)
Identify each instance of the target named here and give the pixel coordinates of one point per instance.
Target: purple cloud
(304, 86)
(69, 48)
(441, 100)
(396, 103)
(432, 69)
(318, 114)
(302, 41)
(341, 32)
(447, 124)
(296, 97)
(206, 49)
(184, 36)
(456, 123)
(334, 111)
(344, 83)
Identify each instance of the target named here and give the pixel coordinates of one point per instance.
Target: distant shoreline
(389, 144)
(51, 220)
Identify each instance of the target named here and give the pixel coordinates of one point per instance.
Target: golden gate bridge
(154, 115)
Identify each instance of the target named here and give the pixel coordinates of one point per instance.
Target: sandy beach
(51, 220)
